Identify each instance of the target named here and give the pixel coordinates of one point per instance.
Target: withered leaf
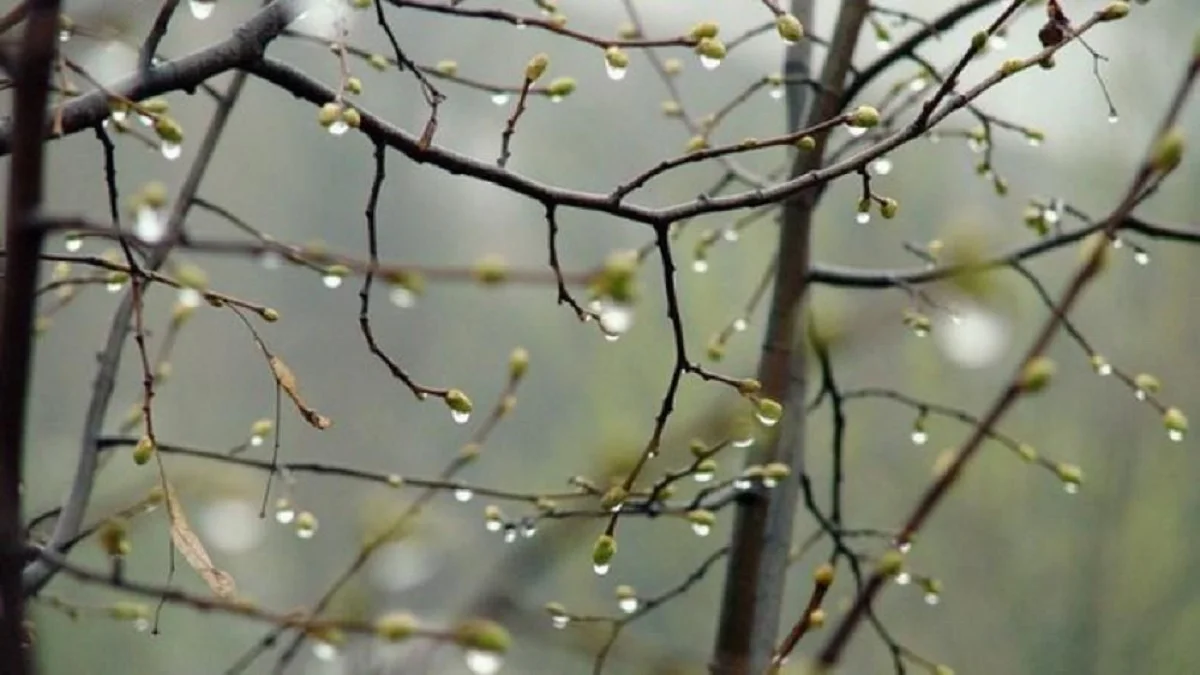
(218, 580)
(287, 380)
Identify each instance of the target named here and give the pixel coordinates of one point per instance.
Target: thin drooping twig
(158, 30)
(1149, 174)
(23, 242)
(37, 574)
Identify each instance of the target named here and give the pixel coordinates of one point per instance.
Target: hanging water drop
(776, 93)
(510, 534)
(284, 513)
(460, 416)
(769, 482)
(699, 265)
(701, 529)
(528, 530)
(997, 42)
(483, 663)
(115, 283)
(862, 217)
(1175, 435)
(856, 131)
(881, 166)
(500, 98)
(202, 9)
(1118, 243)
(191, 298)
(616, 318)
(493, 525)
(917, 84)
(402, 297)
(463, 495)
(1139, 394)
(740, 325)
(256, 441)
(149, 225)
(146, 120)
(709, 63)
(171, 151)
(919, 437)
(703, 476)
(904, 546)
(628, 605)
(932, 598)
(331, 280)
(560, 621)
(306, 525)
(742, 483)
(73, 242)
(1113, 118)
(1034, 141)
(615, 73)
(1070, 488)
(600, 569)
(1141, 258)
(324, 651)
(976, 145)
(744, 442)
(730, 235)
(338, 127)
(903, 578)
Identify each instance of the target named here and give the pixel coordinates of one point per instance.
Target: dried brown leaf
(218, 580)
(287, 380)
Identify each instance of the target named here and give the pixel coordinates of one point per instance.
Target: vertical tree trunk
(756, 575)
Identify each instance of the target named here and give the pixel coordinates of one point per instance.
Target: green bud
(329, 113)
(447, 67)
(561, 87)
(604, 550)
(128, 611)
(1175, 420)
(888, 208)
(776, 471)
(491, 270)
(457, 401)
(269, 314)
(1036, 374)
(261, 427)
(555, 609)
(395, 626)
(354, 85)
(1069, 474)
(702, 517)
(865, 117)
(143, 451)
(704, 29)
(536, 67)
(979, 41)
(518, 363)
(625, 592)
(824, 575)
(1147, 383)
(482, 635)
(378, 62)
(616, 58)
(167, 129)
(711, 47)
(698, 448)
(1114, 11)
(672, 66)
(1012, 66)
(1168, 151)
(351, 117)
(1027, 452)
(154, 195)
(614, 498)
(707, 466)
(749, 386)
(806, 143)
(672, 108)
(890, 563)
(789, 28)
(769, 410)
(696, 144)
(155, 106)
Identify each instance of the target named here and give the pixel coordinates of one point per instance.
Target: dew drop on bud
(146, 120)
(699, 266)
(148, 225)
(903, 578)
(332, 280)
(776, 93)
(460, 416)
(856, 131)
(744, 442)
(171, 151)
(1175, 435)
(600, 570)
(1113, 118)
(256, 441)
(528, 530)
(1118, 243)
(919, 437)
(202, 9)
(483, 663)
(493, 525)
(141, 625)
(64, 35)
(1141, 258)
(904, 547)
(499, 98)
(766, 420)
(932, 599)
(709, 63)
(628, 605)
(510, 534)
(883, 45)
(616, 318)
(917, 85)
(702, 476)
(114, 286)
(324, 651)
(402, 297)
(1070, 488)
(730, 235)
(701, 529)
(73, 243)
(769, 482)
(560, 621)
(615, 73)
(882, 166)
(338, 127)
(463, 495)
(284, 513)
(741, 484)
(740, 325)
(997, 42)
(192, 298)
(862, 218)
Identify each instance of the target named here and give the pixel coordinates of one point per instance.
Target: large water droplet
(702, 476)
(402, 297)
(740, 325)
(493, 525)
(932, 599)
(856, 131)
(202, 9)
(324, 651)
(1141, 258)
(560, 621)
(171, 151)
(1070, 488)
(628, 605)
(500, 98)
(1175, 435)
(510, 534)
(483, 663)
(741, 484)
(191, 297)
(73, 242)
(744, 442)
(766, 420)
(701, 529)
(616, 318)
(284, 513)
(918, 84)
(460, 416)
(919, 437)
(463, 495)
(256, 441)
(881, 166)
(904, 547)
(903, 578)
(615, 73)
(600, 570)
(1113, 118)
(338, 127)
(149, 225)
(883, 44)
(699, 265)
(331, 280)
(862, 217)
(776, 93)
(709, 63)
(997, 42)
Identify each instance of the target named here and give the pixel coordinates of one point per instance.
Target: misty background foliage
(1035, 580)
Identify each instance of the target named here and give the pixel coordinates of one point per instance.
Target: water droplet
(463, 495)
(493, 525)
(331, 280)
(149, 225)
(862, 217)
(919, 437)
(600, 570)
(1034, 141)
(856, 131)
(114, 286)
(741, 484)
(920, 331)
(699, 266)
(917, 84)
(64, 35)
(701, 529)
(709, 63)
(1050, 215)
(616, 318)
(556, 98)
(202, 9)
(903, 578)
(776, 93)
(702, 476)
(307, 529)
(1070, 488)
(560, 621)
(628, 605)
(1175, 435)
(284, 513)
(1104, 369)
(744, 442)
(460, 416)
(338, 127)
(141, 624)
(146, 120)
(171, 151)
(324, 651)
(528, 530)
(976, 145)
(510, 534)
(740, 325)
(882, 166)
(932, 599)
(904, 547)
(1113, 118)
(766, 420)
(500, 98)
(730, 235)
(1139, 394)
(270, 260)
(769, 482)
(256, 441)
(73, 243)
(997, 42)
(402, 297)
(190, 297)
(1118, 243)
(519, 24)
(1141, 258)
(615, 73)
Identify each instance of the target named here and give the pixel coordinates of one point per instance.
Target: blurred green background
(1035, 580)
